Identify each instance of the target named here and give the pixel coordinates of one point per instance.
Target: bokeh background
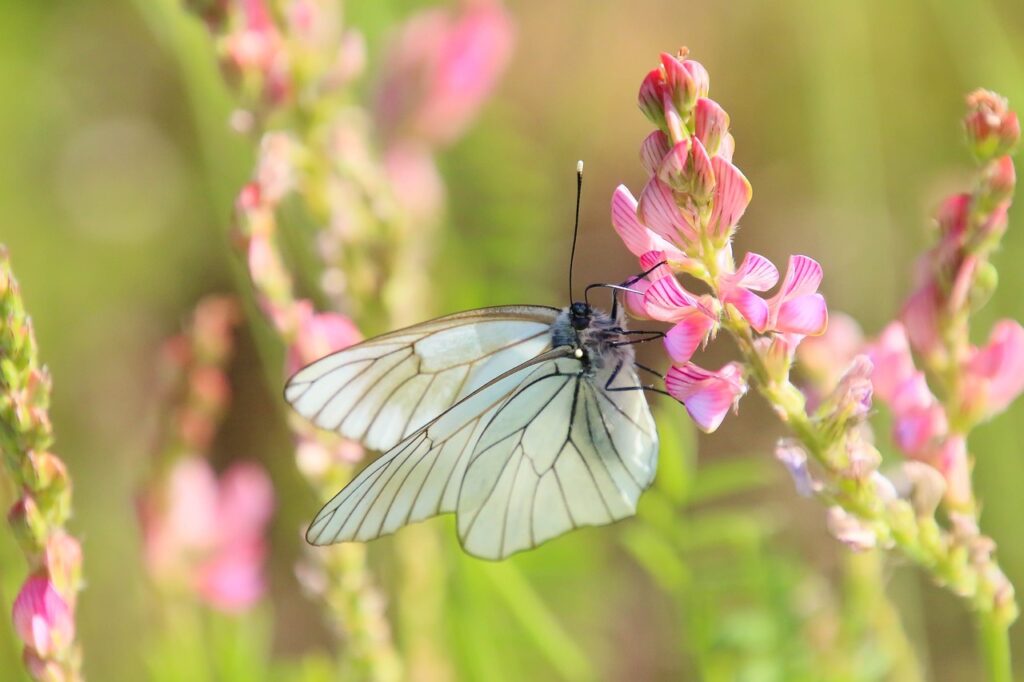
(117, 175)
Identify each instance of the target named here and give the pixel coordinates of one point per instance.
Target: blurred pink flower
(707, 395)
(994, 373)
(441, 69)
(62, 558)
(890, 354)
(318, 334)
(42, 619)
(798, 308)
(412, 172)
(208, 535)
(826, 357)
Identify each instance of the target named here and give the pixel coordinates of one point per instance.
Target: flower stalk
(44, 610)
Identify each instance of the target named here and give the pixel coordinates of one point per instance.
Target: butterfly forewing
(382, 390)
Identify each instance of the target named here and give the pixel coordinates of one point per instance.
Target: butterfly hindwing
(560, 453)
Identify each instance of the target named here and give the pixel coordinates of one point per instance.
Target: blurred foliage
(116, 181)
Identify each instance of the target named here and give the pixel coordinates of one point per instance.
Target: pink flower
(756, 273)
(798, 308)
(707, 395)
(825, 357)
(666, 300)
(42, 619)
(318, 334)
(411, 169)
(207, 535)
(890, 354)
(953, 463)
(441, 70)
(711, 124)
(994, 373)
(671, 90)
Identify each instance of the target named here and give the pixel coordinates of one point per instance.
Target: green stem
(994, 639)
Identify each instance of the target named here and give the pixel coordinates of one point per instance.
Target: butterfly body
(525, 421)
(598, 336)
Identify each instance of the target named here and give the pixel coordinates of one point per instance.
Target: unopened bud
(992, 129)
(29, 525)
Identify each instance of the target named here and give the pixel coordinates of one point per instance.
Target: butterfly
(526, 421)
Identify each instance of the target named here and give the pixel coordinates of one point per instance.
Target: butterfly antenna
(576, 225)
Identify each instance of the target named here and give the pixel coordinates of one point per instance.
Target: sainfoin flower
(708, 396)
(207, 534)
(994, 373)
(318, 334)
(42, 619)
(683, 224)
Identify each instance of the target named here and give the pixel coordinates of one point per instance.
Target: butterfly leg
(649, 336)
(615, 373)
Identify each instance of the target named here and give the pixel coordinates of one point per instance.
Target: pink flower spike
(654, 148)
(707, 395)
(797, 308)
(732, 196)
(42, 619)
(688, 334)
(711, 123)
(658, 210)
(638, 238)
(995, 372)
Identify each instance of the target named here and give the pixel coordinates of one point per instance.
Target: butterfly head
(580, 315)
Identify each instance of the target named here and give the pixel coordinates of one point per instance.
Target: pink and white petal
(711, 123)
(660, 259)
(637, 237)
(756, 273)
(672, 170)
(658, 210)
(653, 150)
(683, 340)
(732, 195)
(667, 300)
(728, 146)
(803, 277)
(807, 315)
(752, 307)
(707, 396)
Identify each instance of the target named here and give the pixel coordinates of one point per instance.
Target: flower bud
(926, 486)
(63, 560)
(992, 129)
(999, 179)
(986, 279)
(42, 619)
(850, 530)
(711, 123)
(29, 525)
(794, 458)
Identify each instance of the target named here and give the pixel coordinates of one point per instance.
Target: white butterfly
(526, 421)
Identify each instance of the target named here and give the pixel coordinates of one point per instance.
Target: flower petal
(890, 354)
(707, 396)
(687, 335)
(920, 317)
(1001, 364)
(658, 210)
(803, 277)
(806, 315)
(732, 195)
(667, 300)
(710, 124)
(756, 273)
(752, 307)
(653, 150)
(637, 238)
